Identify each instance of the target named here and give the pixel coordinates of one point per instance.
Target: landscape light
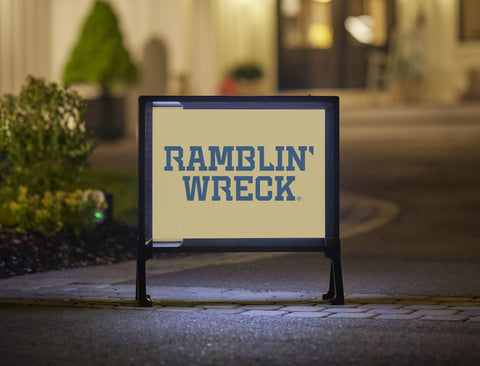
(101, 215)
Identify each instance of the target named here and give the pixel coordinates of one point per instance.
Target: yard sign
(239, 174)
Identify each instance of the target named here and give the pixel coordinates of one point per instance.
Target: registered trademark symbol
(299, 198)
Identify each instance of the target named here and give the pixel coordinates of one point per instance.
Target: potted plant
(243, 79)
(100, 58)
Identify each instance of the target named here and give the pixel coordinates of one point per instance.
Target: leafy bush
(57, 211)
(44, 148)
(44, 138)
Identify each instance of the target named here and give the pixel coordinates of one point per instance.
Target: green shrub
(44, 138)
(44, 148)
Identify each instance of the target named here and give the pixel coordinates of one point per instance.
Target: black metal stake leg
(141, 291)
(331, 288)
(335, 290)
(338, 281)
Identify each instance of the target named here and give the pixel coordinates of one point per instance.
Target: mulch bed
(28, 252)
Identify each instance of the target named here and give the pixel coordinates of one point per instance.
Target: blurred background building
(380, 50)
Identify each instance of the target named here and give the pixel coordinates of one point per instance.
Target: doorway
(327, 43)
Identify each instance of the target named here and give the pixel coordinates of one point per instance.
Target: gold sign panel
(246, 173)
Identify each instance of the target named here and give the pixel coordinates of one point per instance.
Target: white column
(24, 42)
(6, 46)
(18, 49)
(440, 85)
(43, 34)
(204, 75)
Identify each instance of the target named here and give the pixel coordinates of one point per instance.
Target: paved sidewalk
(111, 286)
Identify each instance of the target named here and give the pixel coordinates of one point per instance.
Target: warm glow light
(290, 8)
(320, 36)
(323, 1)
(361, 28)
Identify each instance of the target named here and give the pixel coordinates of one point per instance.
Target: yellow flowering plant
(57, 211)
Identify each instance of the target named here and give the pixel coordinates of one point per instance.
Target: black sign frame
(330, 245)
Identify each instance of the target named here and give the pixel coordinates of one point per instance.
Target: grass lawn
(122, 183)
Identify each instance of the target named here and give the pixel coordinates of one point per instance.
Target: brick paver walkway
(459, 309)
